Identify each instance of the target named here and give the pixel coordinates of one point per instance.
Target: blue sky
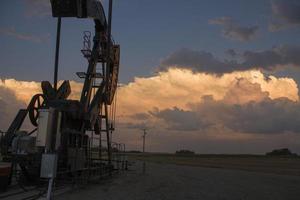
(148, 31)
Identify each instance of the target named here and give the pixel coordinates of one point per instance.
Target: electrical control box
(44, 130)
(49, 166)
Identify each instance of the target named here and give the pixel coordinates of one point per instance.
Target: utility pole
(144, 138)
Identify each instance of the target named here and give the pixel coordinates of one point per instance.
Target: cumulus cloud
(235, 106)
(234, 31)
(9, 106)
(285, 14)
(202, 61)
(183, 107)
(181, 120)
(243, 92)
(177, 87)
(244, 109)
(11, 32)
(24, 90)
(208, 113)
(167, 102)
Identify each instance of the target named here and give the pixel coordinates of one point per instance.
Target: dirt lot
(178, 182)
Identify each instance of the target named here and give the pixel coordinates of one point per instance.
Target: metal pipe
(108, 47)
(57, 52)
(49, 192)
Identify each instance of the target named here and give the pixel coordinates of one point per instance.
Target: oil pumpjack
(60, 145)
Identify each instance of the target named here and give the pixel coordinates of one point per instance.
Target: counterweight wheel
(37, 102)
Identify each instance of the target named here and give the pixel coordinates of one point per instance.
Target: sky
(211, 76)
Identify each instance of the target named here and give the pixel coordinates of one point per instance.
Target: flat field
(162, 181)
(266, 164)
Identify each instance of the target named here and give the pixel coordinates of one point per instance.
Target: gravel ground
(166, 181)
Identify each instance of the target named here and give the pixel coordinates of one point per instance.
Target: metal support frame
(57, 52)
(91, 113)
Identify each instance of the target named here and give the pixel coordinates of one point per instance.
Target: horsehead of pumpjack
(104, 50)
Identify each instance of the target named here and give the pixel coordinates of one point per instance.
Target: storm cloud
(181, 107)
(285, 14)
(179, 119)
(234, 31)
(256, 115)
(202, 61)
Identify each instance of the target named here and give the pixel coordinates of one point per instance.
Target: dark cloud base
(234, 31)
(285, 13)
(202, 61)
(265, 117)
(255, 114)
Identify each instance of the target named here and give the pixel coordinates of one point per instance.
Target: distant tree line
(281, 152)
(184, 152)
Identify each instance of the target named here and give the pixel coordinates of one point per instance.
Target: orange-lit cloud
(24, 90)
(179, 87)
(190, 107)
(175, 87)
